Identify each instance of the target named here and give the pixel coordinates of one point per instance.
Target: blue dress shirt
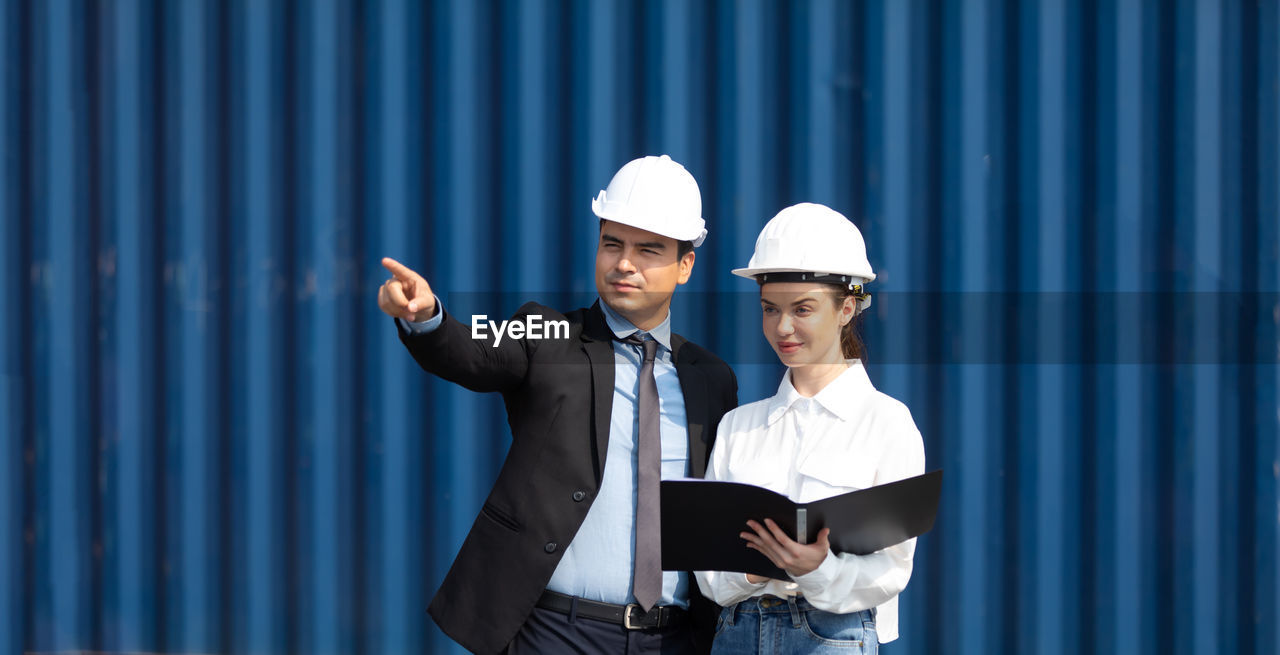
(598, 563)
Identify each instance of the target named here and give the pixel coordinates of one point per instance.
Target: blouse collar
(839, 396)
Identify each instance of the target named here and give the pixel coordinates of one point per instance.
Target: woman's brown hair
(850, 343)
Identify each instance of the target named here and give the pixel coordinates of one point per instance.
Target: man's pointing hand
(406, 295)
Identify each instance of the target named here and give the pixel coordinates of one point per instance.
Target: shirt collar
(838, 397)
(622, 328)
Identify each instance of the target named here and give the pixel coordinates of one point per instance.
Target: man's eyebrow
(656, 245)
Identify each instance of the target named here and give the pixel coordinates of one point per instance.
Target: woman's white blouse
(849, 436)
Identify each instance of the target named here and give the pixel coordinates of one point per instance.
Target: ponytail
(851, 345)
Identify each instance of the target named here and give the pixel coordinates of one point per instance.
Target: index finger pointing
(397, 269)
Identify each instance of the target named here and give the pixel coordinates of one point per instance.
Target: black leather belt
(629, 616)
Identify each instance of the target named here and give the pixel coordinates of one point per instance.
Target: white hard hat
(657, 195)
(811, 242)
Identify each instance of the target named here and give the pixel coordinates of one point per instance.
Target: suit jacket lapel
(598, 344)
(693, 386)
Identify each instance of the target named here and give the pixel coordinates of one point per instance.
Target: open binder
(701, 520)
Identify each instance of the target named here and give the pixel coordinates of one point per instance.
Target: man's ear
(686, 267)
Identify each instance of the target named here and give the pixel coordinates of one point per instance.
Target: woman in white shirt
(827, 431)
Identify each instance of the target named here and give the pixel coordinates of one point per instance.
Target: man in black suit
(564, 554)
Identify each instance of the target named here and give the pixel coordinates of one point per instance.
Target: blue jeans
(767, 624)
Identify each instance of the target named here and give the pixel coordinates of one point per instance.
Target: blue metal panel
(1124, 579)
(128, 374)
(531, 83)
(896, 109)
(601, 99)
(192, 321)
(748, 101)
(259, 277)
(212, 441)
(465, 115)
(13, 380)
(973, 230)
(324, 271)
(675, 90)
(397, 546)
(1206, 486)
(1055, 388)
(259, 300)
(64, 436)
(1266, 595)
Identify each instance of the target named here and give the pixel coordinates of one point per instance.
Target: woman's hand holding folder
(787, 554)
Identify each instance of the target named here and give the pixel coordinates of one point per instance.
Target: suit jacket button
(550, 547)
(578, 496)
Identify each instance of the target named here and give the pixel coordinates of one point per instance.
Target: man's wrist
(424, 326)
(435, 311)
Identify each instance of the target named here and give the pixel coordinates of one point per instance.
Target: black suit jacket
(558, 395)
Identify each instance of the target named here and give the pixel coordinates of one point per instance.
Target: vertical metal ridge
(14, 594)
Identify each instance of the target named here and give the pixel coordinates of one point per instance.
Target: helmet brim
(751, 273)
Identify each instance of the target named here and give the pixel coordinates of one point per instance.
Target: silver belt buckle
(626, 617)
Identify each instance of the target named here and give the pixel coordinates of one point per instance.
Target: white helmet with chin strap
(657, 195)
(809, 242)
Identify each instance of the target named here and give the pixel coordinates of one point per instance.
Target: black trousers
(549, 631)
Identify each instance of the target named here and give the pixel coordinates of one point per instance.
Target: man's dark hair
(683, 248)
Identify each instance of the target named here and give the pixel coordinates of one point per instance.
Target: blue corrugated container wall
(212, 441)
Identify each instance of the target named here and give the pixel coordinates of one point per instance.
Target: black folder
(701, 521)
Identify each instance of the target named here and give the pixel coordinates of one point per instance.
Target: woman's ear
(848, 310)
